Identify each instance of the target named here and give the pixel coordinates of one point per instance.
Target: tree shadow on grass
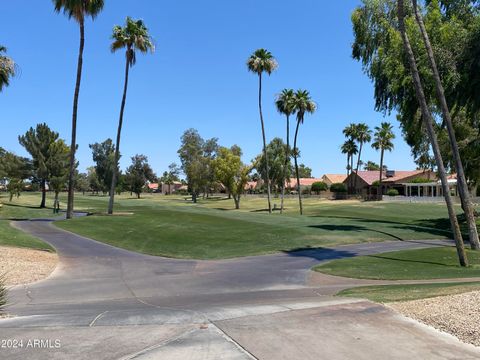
(354, 228)
(408, 260)
(25, 206)
(436, 227)
(320, 254)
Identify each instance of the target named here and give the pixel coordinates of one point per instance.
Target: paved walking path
(107, 303)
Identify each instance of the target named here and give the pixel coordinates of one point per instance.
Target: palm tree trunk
(287, 155)
(358, 166)
(380, 188)
(461, 179)
(267, 175)
(348, 165)
(44, 193)
(296, 168)
(351, 172)
(73, 144)
(427, 118)
(117, 146)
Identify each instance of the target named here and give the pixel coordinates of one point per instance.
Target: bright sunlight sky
(197, 77)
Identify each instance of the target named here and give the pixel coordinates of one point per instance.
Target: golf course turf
(174, 227)
(431, 263)
(211, 229)
(392, 293)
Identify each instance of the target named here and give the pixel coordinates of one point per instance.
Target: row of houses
(420, 183)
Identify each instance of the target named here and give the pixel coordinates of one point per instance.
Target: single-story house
(367, 181)
(330, 179)
(165, 188)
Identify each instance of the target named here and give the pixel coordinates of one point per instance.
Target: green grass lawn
(10, 236)
(212, 229)
(433, 263)
(393, 293)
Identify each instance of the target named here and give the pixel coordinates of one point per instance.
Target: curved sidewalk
(208, 309)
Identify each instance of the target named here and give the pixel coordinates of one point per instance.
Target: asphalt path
(103, 302)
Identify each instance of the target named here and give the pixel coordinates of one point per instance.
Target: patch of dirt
(23, 266)
(458, 314)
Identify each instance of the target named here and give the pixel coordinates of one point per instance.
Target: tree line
(48, 169)
(207, 166)
(133, 37)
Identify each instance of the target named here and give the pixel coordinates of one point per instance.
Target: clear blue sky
(197, 77)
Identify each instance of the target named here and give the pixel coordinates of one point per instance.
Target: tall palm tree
(262, 61)
(7, 68)
(362, 135)
(78, 10)
(428, 121)
(302, 104)
(382, 140)
(133, 36)
(285, 105)
(350, 132)
(461, 179)
(349, 148)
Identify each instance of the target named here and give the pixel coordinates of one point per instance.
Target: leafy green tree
(382, 44)
(210, 149)
(382, 141)
(170, 176)
(447, 118)
(420, 94)
(262, 61)
(196, 156)
(14, 170)
(338, 188)
(286, 106)
(303, 104)
(81, 183)
(103, 155)
(138, 174)
(231, 172)
(44, 145)
(278, 174)
(304, 172)
(93, 182)
(58, 167)
(78, 10)
(191, 153)
(8, 68)
(318, 187)
(132, 37)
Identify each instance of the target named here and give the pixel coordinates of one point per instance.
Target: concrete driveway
(107, 303)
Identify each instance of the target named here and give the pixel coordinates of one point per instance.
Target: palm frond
(78, 9)
(132, 36)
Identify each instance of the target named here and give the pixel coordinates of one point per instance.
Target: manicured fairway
(392, 293)
(174, 227)
(432, 263)
(10, 236)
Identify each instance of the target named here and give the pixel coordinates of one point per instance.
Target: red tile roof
(303, 182)
(371, 176)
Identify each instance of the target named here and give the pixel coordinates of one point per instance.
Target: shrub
(338, 188)
(392, 192)
(319, 186)
(376, 183)
(3, 294)
(420, 181)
